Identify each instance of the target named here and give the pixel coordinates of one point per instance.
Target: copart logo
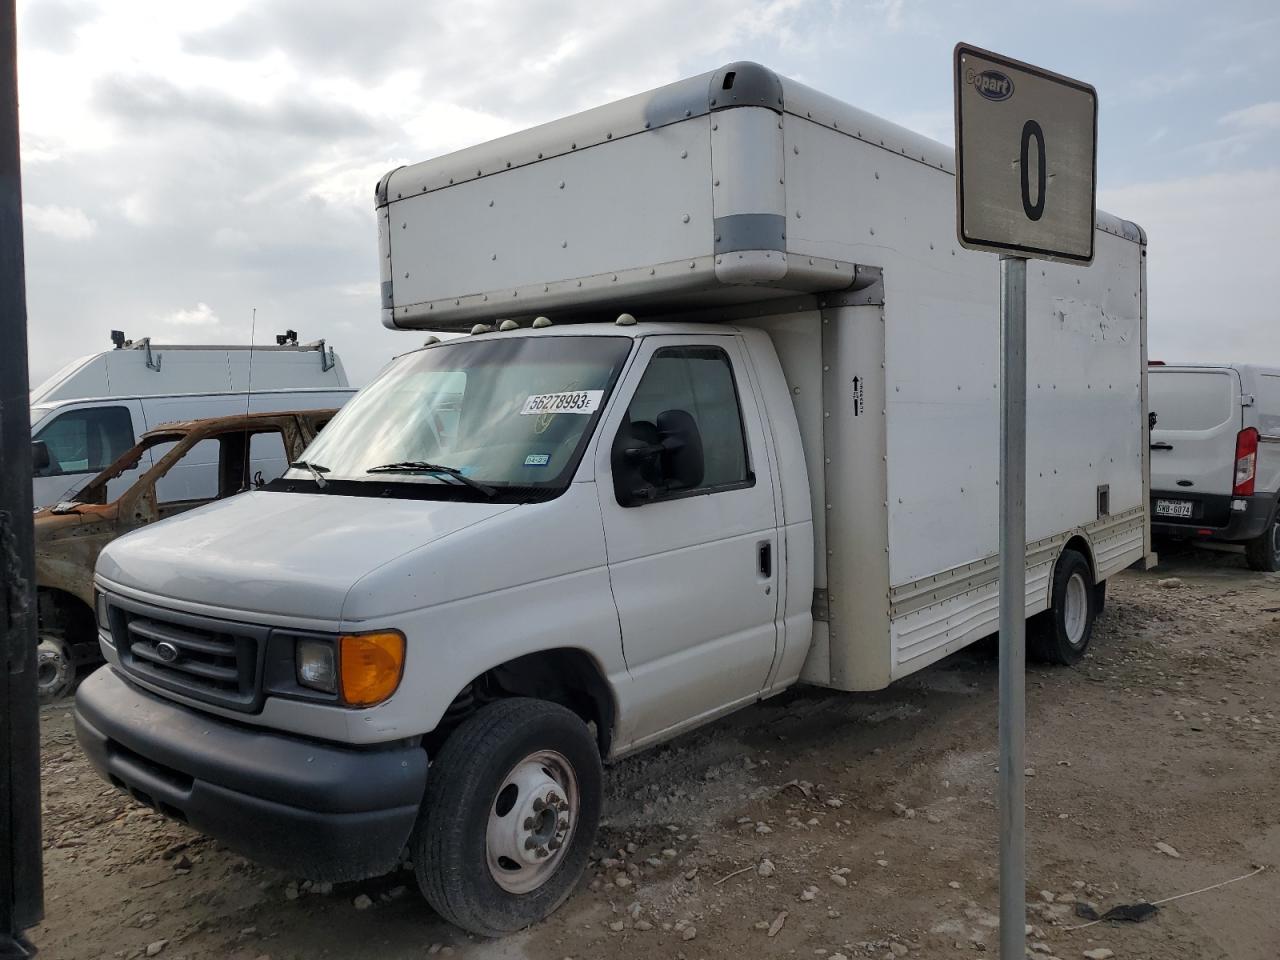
(991, 84)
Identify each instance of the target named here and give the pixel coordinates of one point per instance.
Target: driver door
(693, 567)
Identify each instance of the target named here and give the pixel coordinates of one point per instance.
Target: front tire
(1263, 553)
(1062, 633)
(512, 804)
(55, 668)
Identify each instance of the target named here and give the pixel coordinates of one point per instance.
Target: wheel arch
(569, 676)
(1081, 545)
(58, 608)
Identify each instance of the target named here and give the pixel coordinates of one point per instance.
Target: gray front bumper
(317, 810)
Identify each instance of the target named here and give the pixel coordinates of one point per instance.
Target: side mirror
(682, 463)
(39, 457)
(651, 461)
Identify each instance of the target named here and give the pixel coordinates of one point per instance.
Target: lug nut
(563, 824)
(530, 843)
(529, 823)
(538, 805)
(544, 852)
(556, 843)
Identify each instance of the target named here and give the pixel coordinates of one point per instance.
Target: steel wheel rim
(1075, 609)
(532, 820)
(53, 666)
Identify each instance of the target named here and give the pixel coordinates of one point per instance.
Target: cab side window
(683, 432)
(86, 441)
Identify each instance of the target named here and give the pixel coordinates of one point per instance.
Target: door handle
(1162, 446)
(764, 555)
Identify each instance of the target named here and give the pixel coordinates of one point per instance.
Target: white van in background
(1215, 456)
(96, 408)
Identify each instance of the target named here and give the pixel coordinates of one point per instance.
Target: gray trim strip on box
(388, 300)
(750, 231)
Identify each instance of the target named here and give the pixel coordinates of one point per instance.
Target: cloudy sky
(187, 162)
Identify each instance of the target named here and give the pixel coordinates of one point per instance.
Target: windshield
(471, 417)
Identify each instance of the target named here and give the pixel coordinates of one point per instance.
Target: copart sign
(1026, 158)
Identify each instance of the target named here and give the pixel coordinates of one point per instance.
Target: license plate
(1173, 508)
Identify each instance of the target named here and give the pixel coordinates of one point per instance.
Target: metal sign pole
(21, 901)
(1013, 586)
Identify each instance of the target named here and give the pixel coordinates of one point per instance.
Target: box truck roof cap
(690, 195)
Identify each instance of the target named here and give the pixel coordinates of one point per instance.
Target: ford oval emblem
(993, 85)
(166, 651)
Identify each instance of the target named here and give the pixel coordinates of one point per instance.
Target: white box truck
(727, 422)
(1215, 456)
(98, 406)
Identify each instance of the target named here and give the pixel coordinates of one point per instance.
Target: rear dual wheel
(1062, 633)
(513, 801)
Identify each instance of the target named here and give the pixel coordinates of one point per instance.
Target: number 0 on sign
(1026, 158)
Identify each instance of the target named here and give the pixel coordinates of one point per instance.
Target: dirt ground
(875, 813)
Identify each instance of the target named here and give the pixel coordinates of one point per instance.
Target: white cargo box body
(743, 197)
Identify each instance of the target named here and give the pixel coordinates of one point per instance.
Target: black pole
(21, 882)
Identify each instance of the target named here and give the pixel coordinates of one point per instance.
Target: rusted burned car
(248, 451)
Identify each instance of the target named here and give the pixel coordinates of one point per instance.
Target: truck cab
(542, 541)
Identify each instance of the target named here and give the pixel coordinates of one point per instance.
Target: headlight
(100, 609)
(317, 667)
(363, 669)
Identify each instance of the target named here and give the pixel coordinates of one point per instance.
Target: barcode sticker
(572, 401)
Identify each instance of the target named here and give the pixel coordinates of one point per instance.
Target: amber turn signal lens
(372, 664)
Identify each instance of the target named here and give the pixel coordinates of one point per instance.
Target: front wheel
(55, 668)
(1263, 553)
(1062, 633)
(513, 801)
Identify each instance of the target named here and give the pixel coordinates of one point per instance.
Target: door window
(653, 454)
(194, 477)
(1269, 405)
(267, 457)
(88, 440)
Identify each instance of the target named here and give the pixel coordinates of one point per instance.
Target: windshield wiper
(317, 472)
(421, 466)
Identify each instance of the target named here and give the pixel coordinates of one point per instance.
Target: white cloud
(1261, 117)
(201, 315)
(65, 223)
(1212, 282)
(1157, 85)
(1246, 128)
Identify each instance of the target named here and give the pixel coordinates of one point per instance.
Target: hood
(282, 554)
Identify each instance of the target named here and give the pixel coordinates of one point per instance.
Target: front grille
(216, 661)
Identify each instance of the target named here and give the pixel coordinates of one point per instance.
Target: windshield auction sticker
(572, 401)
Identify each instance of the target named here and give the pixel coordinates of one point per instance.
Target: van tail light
(1246, 462)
